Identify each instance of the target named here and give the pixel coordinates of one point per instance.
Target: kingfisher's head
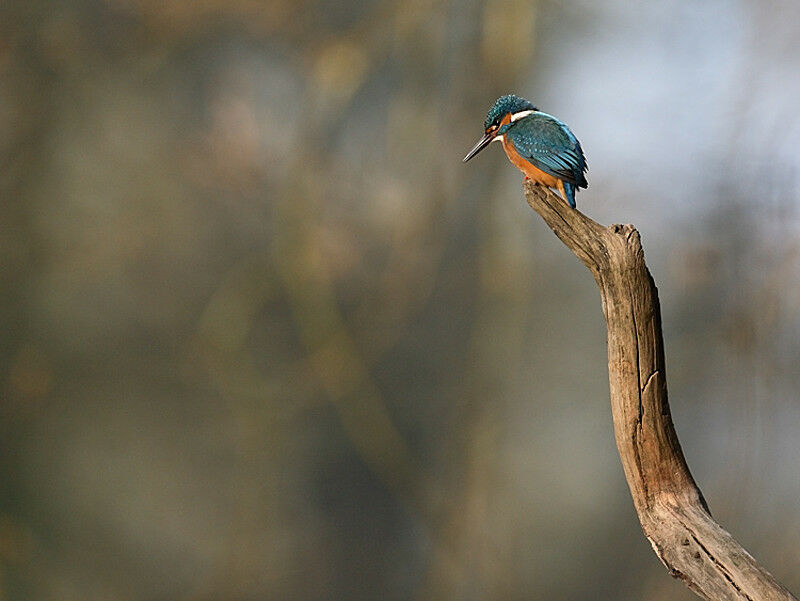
(505, 110)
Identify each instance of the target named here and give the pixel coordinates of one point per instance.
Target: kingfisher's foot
(525, 179)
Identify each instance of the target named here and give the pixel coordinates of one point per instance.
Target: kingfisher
(538, 144)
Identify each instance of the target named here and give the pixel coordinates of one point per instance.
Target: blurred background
(264, 336)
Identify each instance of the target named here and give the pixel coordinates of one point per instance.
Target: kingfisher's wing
(550, 146)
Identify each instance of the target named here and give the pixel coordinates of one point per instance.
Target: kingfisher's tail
(569, 192)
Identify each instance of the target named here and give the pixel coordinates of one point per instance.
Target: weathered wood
(670, 506)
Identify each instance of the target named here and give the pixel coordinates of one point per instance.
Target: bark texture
(670, 506)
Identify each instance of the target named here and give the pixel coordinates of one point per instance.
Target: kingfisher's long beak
(482, 143)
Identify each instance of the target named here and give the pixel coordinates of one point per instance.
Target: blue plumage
(550, 146)
(569, 190)
(505, 105)
(538, 144)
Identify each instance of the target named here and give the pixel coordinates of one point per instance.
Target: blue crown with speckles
(507, 104)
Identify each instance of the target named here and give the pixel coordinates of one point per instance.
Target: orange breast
(536, 174)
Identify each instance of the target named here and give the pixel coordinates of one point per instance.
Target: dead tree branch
(670, 506)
